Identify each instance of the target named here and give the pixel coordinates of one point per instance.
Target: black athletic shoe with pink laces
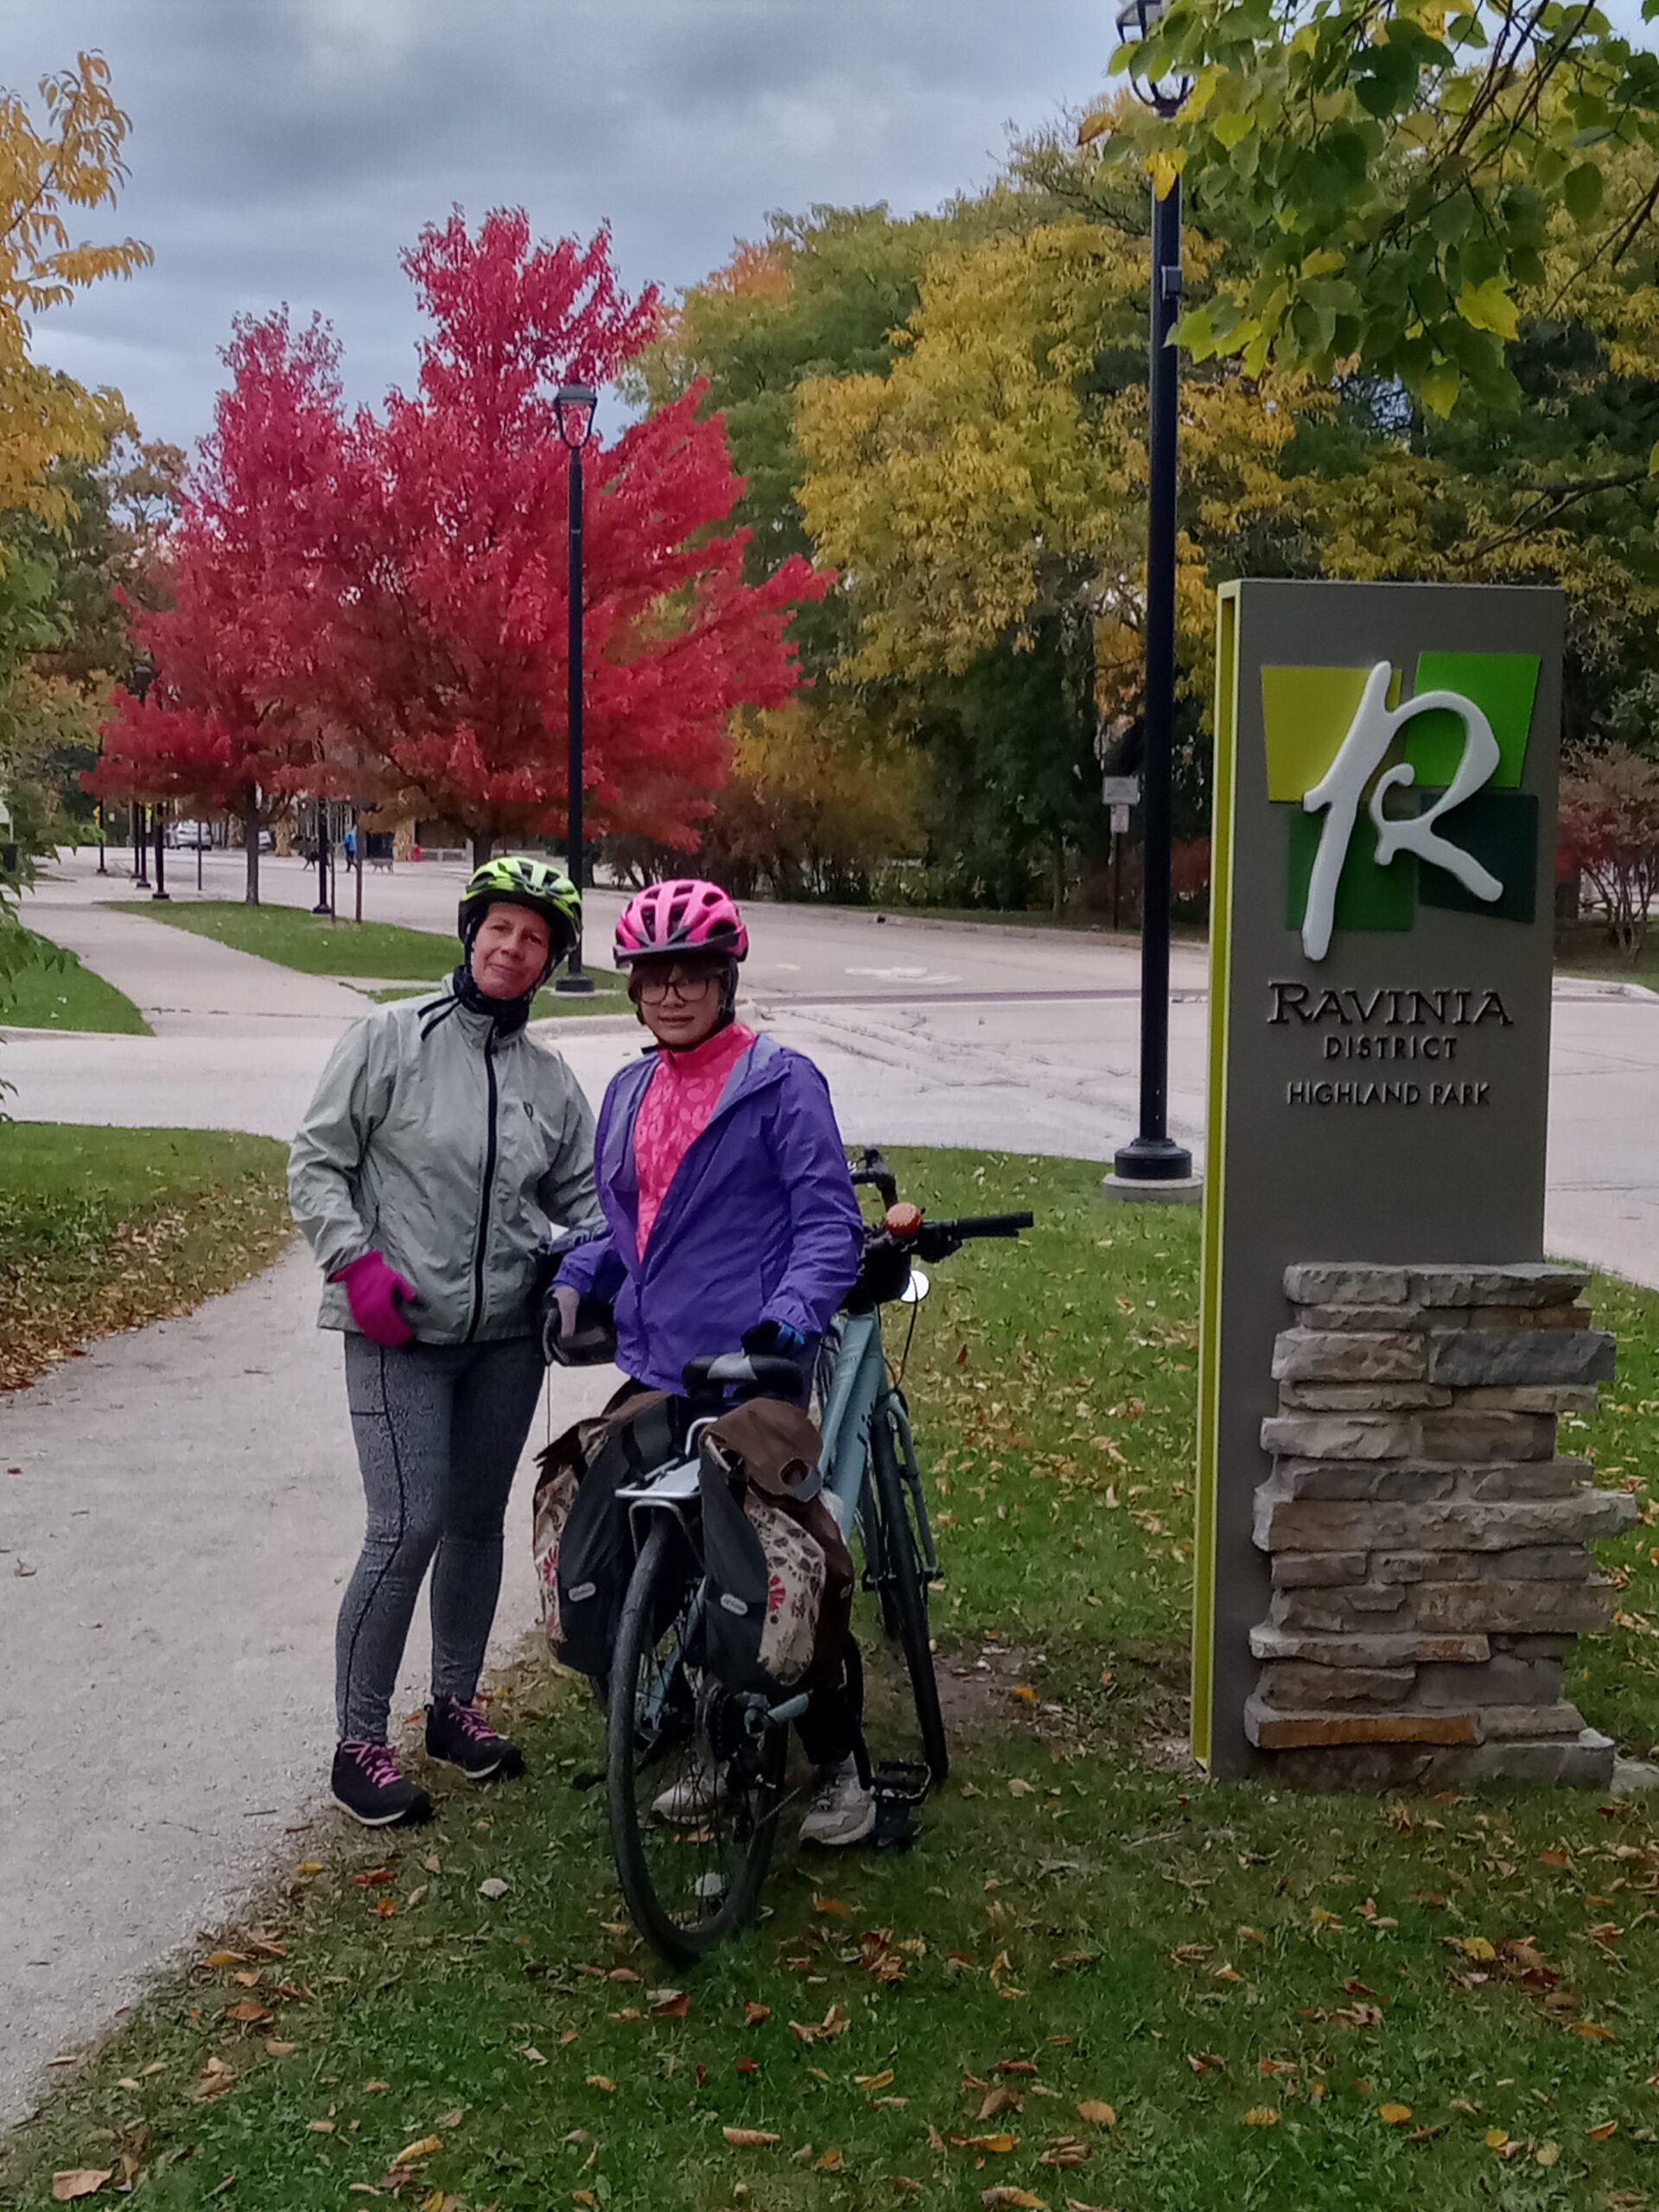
(460, 1734)
(367, 1785)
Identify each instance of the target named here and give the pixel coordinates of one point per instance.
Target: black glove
(576, 1330)
(773, 1340)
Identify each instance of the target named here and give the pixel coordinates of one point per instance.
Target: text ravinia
(1392, 1008)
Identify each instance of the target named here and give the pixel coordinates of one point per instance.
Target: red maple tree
(449, 650)
(233, 717)
(381, 606)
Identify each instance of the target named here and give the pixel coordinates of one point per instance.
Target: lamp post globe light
(1153, 1165)
(574, 407)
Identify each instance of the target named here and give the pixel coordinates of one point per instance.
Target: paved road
(187, 1502)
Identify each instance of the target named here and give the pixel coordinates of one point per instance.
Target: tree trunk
(1057, 875)
(483, 845)
(251, 848)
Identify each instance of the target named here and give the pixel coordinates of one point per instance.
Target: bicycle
(691, 1880)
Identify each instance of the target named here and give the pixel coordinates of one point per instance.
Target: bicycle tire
(876, 1577)
(662, 1562)
(902, 1574)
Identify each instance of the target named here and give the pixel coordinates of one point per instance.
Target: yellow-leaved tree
(54, 168)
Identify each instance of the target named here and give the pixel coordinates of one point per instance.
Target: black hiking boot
(367, 1785)
(460, 1735)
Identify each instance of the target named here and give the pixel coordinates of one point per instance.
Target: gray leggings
(439, 1430)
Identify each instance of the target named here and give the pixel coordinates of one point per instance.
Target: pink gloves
(376, 1294)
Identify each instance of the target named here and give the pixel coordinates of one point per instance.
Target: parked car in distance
(186, 837)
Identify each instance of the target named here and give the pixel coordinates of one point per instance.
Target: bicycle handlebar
(753, 1373)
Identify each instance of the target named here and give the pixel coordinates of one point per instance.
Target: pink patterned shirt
(682, 1093)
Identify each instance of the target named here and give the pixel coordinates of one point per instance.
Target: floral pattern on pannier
(554, 1496)
(796, 1573)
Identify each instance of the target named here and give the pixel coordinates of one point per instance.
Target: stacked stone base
(1429, 1564)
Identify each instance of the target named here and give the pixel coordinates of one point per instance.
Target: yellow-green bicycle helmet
(523, 881)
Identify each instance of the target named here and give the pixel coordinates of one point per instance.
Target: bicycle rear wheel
(894, 1539)
(691, 1873)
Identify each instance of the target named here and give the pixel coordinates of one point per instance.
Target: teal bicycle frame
(859, 1392)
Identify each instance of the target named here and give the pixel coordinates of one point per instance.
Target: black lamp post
(324, 904)
(574, 407)
(158, 816)
(1154, 1157)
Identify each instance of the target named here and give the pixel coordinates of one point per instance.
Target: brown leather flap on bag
(778, 1446)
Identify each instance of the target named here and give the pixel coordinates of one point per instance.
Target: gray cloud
(286, 149)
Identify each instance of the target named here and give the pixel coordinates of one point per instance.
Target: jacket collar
(760, 1065)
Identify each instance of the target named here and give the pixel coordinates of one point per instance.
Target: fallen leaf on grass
(1396, 2115)
(903, 2186)
(423, 2148)
(829, 2163)
(753, 2013)
(495, 1887)
(1600, 2135)
(1473, 1946)
(1262, 2116)
(1000, 2099)
(1593, 2031)
(874, 2081)
(1548, 2153)
(1003, 2194)
(79, 2181)
(225, 1959)
(1063, 2150)
(1097, 2114)
(1205, 2062)
(215, 2078)
(309, 1867)
(248, 2013)
(1014, 2066)
(319, 2127)
(669, 2003)
(375, 1874)
(748, 2138)
(745, 2066)
(1021, 1788)
(820, 1903)
(1000, 2144)
(600, 2082)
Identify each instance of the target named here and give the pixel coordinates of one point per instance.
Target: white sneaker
(701, 1791)
(842, 1811)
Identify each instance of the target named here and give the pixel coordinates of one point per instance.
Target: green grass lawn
(103, 1229)
(1581, 948)
(607, 997)
(317, 946)
(53, 991)
(1096, 1981)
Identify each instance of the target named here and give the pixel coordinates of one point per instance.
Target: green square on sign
(1502, 685)
(1305, 716)
(1500, 828)
(1368, 897)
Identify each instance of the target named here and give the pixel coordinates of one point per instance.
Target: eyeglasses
(685, 985)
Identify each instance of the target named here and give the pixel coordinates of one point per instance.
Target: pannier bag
(580, 1527)
(778, 1611)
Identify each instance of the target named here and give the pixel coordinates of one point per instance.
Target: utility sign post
(1382, 876)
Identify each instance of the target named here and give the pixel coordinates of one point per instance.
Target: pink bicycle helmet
(686, 915)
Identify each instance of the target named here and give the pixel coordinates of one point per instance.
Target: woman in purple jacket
(730, 1215)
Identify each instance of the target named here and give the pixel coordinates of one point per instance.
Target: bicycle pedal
(899, 1788)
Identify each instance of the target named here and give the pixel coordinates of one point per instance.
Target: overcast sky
(285, 150)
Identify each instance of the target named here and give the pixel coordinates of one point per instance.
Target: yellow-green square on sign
(1305, 713)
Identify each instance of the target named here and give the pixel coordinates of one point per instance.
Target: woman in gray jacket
(442, 1149)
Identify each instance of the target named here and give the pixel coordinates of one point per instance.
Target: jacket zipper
(481, 1247)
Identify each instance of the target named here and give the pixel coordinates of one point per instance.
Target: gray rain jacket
(453, 1151)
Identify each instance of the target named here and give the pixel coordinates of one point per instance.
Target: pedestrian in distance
(350, 847)
(730, 1220)
(442, 1152)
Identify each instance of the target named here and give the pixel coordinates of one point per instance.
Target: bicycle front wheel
(903, 1586)
(693, 1821)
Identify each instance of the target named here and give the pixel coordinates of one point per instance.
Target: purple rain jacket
(760, 1224)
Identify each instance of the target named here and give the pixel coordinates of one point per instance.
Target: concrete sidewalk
(189, 986)
(173, 1549)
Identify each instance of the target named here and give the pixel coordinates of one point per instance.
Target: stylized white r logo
(1343, 786)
